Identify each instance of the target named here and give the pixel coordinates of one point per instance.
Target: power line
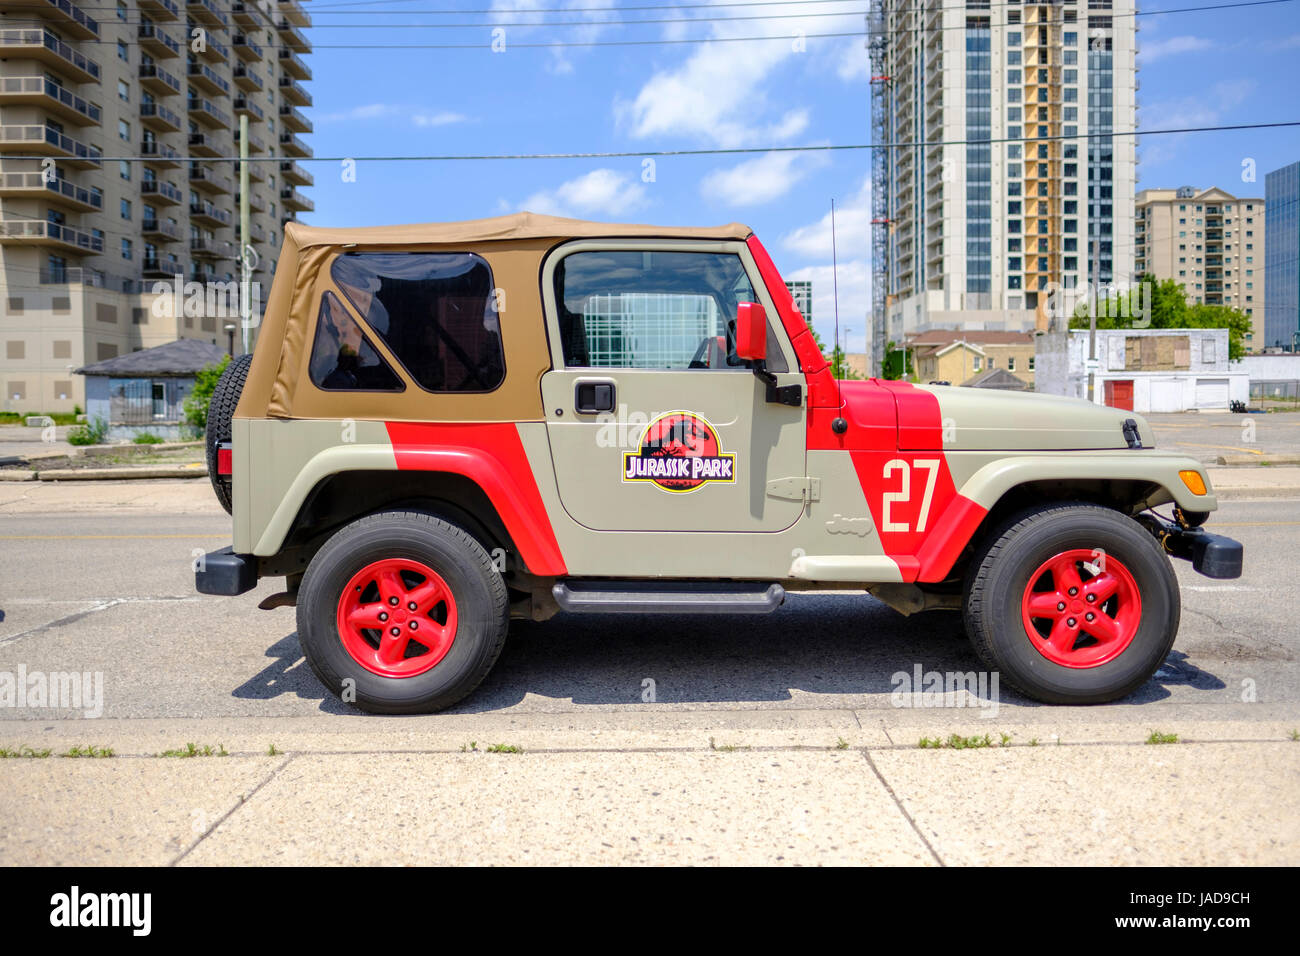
(715, 151)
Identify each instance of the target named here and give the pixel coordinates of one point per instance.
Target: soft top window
(342, 358)
(436, 312)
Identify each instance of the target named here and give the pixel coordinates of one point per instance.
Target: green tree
(205, 382)
(1169, 309)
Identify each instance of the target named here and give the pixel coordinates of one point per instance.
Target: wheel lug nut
(383, 615)
(415, 625)
(396, 632)
(411, 606)
(393, 601)
(1060, 605)
(1071, 622)
(1092, 598)
(1073, 591)
(1089, 616)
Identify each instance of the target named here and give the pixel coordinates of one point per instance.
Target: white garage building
(1158, 370)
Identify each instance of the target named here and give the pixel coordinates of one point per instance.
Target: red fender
(492, 456)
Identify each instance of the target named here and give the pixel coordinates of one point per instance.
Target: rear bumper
(1211, 554)
(224, 572)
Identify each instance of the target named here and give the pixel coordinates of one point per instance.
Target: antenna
(839, 426)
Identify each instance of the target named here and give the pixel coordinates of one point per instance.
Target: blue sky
(1210, 68)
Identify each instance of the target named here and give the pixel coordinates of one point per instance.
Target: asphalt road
(113, 593)
(1210, 435)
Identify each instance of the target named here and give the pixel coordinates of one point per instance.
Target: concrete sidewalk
(647, 787)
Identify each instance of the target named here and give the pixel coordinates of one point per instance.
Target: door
(1119, 394)
(1211, 393)
(654, 423)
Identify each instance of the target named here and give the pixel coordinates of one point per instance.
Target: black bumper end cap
(1216, 556)
(226, 573)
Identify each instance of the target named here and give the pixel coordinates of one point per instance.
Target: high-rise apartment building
(1015, 185)
(1282, 291)
(117, 124)
(1209, 241)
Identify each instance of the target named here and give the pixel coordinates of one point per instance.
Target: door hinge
(795, 489)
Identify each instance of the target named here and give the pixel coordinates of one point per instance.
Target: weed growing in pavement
(6, 752)
(505, 749)
(190, 750)
(88, 751)
(1159, 738)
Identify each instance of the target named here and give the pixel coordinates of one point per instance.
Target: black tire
(481, 608)
(999, 575)
(220, 412)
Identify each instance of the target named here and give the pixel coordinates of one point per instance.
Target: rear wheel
(221, 410)
(402, 612)
(1072, 604)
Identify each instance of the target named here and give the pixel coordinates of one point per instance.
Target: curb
(1256, 461)
(131, 448)
(196, 470)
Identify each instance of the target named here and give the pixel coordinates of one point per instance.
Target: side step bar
(668, 597)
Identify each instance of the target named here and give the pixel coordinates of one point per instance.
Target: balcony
(292, 11)
(157, 191)
(39, 91)
(36, 139)
(295, 200)
(257, 171)
(207, 79)
(245, 48)
(293, 118)
(207, 144)
(204, 112)
(294, 92)
(247, 15)
(292, 63)
(244, 106)
(204, 211)
(256, 145)
(292, 145)
(67, 16)
(159, 230)
(246, 79)
(208, 12)
(208, 248)
(255, 201)
(151, 267)
(155, 40)
(293, 173)
(59, 192)
(159, 118)
(292, 36)
(162, 9)
(209, 181)
(212, 50)
(38, 232)
(159, 155)
(36, 44)
(157, 80)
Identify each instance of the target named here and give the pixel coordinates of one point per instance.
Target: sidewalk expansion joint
(902, 809)
(243, 800)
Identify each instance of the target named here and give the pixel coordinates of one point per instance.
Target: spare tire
(220, 411)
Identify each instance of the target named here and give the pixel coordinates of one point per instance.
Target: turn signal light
(1194, 482)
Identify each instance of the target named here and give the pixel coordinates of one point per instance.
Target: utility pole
(245, 248)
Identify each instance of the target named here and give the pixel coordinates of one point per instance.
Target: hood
(975, 419)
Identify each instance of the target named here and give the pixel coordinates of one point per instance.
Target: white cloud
(718, 93)
(852, 229)
(601, 192)
(1204, 109)
(559, 59)
(854, 63)
(371, 111)
(757, 181)
(1150, 52)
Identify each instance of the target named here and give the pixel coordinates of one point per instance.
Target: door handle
(591, 396)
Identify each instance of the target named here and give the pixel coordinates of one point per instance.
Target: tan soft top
(520, 225)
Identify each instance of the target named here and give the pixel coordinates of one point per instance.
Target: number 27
(931, 467)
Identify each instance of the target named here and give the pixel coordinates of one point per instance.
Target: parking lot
(771, 739)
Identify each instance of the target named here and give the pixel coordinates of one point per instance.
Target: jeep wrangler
(444, 427)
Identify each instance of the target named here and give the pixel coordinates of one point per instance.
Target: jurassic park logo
(679, 452)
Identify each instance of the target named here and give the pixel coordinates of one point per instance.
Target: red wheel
(1081, 608)
(397, 617)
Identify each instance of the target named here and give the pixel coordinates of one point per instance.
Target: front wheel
(402, 613)
(1072, 604)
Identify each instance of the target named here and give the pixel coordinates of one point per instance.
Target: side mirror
(751, 331)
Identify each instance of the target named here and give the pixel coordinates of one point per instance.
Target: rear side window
(436, 312)
(342, 358)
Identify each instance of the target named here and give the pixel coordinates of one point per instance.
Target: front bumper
(224, 572)
(1211, 554)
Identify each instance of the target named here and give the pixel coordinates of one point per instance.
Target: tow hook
(1213, 555)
